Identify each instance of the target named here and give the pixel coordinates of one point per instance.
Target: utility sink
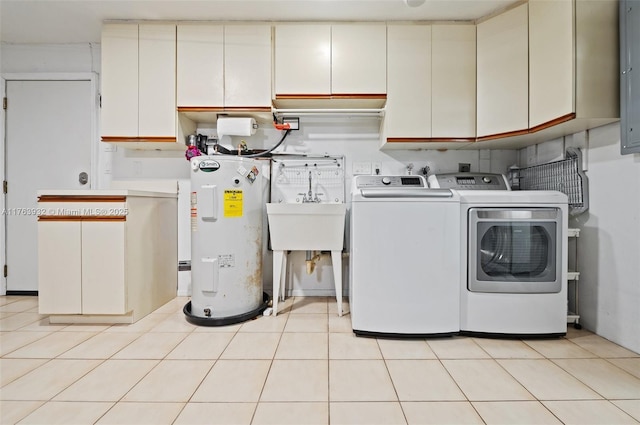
(306, 226)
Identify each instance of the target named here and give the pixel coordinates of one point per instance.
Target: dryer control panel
(469, 181)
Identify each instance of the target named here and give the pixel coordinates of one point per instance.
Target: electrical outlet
(376, 168)
(294, 122)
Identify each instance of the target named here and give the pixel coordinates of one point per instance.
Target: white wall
(50, 58)
(609, 243)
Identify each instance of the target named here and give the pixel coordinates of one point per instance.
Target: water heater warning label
(226, 260)
(233, 203)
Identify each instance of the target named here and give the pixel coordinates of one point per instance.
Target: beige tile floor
(304, 366)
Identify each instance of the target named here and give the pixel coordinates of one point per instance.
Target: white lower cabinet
(103, 267)
(106, 258)
(81, 266)
(59, 267)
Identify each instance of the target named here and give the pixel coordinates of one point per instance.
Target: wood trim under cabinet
(543, 126)
(302, 96)
(552, 123)
(66, 218)
(503, 135)
(359, 96)
(430, 140)
(82, 198)
(308, 96)
(219, 109)
(154, 139)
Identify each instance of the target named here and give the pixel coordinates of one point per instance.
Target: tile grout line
(395, 389)
(264, 383)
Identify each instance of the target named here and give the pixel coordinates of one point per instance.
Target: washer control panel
(390, 181)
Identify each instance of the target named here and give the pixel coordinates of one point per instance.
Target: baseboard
(23, 293)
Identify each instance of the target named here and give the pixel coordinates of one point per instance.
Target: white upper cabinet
(223, 66)
(247, 66)
(453, 88)
(119, 80)
(572, 71)
(551, 59)
(200, 56)
(303, 59)
(503, 82)
(358, 59)
(312, 60)
(157, 80)
(138, 82)
(431, 86)
(408, 108)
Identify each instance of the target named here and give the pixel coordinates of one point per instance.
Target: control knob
(386, 180)
(486, 179)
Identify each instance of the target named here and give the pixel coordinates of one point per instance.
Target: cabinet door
(157, 81)
(200, 65)
(503, 81)
(59, 267)
(119, 80)
(358, 59)
(453, 81)
(303, 59)
(103, 265)
(551, 60)
(408, 109)
(247, 65)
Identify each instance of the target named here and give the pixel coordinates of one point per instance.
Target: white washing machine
(514, 257)
(404, 257)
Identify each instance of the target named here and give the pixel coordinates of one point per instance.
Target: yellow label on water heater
(233, 203)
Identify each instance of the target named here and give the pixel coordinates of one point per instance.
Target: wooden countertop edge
(67, 218)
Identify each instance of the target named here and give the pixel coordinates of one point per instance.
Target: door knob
(83, 178)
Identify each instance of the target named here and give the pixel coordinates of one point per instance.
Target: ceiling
(79, 21)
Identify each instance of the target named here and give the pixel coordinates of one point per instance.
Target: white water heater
(227, 201)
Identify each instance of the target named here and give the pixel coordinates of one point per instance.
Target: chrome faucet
(308, 197)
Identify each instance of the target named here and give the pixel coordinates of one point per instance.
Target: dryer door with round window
(514, 250)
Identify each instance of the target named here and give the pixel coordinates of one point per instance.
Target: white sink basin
(306, 227)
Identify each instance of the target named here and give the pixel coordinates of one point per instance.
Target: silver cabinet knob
(83, 178)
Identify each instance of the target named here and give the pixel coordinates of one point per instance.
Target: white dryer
(514, 257)
(404, 257)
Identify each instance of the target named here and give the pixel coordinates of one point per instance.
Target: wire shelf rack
(325, 176)
(565, 176)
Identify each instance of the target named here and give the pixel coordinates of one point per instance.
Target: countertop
(79, 194)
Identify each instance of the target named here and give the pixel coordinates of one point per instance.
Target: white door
(48, 142)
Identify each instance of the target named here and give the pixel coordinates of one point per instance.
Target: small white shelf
(574, 276)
